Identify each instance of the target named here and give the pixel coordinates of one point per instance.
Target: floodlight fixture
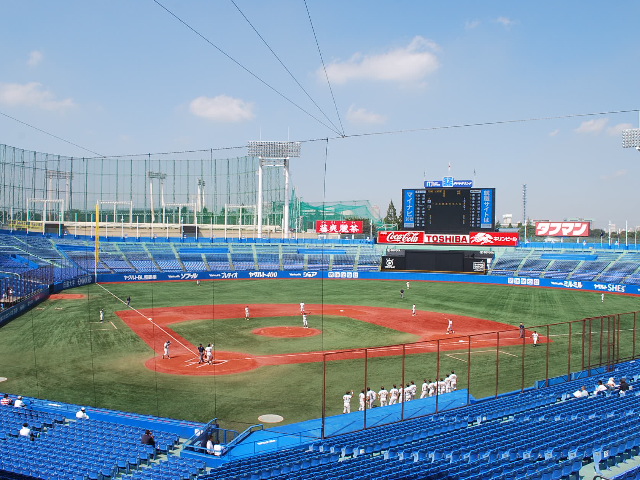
(631, 138)
(274, 149)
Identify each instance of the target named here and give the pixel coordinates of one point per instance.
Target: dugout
(452, 261)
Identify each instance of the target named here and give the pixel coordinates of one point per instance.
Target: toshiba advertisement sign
(563, 229)
(497, 239)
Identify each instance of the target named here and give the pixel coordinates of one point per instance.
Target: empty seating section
(165, 257)
(561, 269)
(534, 267)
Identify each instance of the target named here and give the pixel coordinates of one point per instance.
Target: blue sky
(126, 77)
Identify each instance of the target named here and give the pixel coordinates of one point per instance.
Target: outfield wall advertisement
(524, 282)
(495, 239)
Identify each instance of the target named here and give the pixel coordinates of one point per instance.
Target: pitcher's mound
(287, 332)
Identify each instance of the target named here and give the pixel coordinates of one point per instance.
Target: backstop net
(177, 188)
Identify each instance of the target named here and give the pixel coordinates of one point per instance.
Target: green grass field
(59, 351)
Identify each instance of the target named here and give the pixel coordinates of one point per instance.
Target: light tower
(631, 138)
(161, 177)
(274, 154)
(524, 210)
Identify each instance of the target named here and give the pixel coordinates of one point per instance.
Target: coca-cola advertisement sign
(498, 239)
(411, 238)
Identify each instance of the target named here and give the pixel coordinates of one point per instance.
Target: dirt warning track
(154, 327)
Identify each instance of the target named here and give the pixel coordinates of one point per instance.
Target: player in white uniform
(305, 324)
(407, 393)
(432, 388)
(101, 316)
(208, 354)
(361, 398)
(408, 285)
(425, 389)
(453, 380)
(413, 310)
(301, 307)
(414, 389)
(450, 327)
(247, 314)
(393, 395)
(534, 337)
(441, 386)
(383, 395)
(371, 397)
(346, 400)
(167, 344)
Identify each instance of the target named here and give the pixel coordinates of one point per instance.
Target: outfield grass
(60, 351)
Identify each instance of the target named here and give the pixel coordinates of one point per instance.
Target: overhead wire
(254, 75)
(324, 68)
(285, 67)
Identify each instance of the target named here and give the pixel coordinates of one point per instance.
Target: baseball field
(271, 364)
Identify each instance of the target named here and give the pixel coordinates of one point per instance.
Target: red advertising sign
(563, 229)
(412, 238)
(497, 239)
(339, 226)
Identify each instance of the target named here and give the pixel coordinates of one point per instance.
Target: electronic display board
(449, 210)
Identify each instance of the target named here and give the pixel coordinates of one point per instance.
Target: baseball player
(408, 285)
(393, 395)
(167, 344)
(407, 393)
(413, 310)
(432, 388)
(534, 337)
(208, 354)
(361, 397)
(383, 396)
(453, 380)
(201, 351)
(371, 397)
(247, 313)
(425, 389)
(450, 327)
(414, 389)
(346, 400)
(101, 315)
(305, 324)
(301, 307)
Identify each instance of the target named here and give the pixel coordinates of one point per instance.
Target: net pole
(97, 244)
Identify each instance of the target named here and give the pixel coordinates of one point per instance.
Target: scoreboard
(449, 210)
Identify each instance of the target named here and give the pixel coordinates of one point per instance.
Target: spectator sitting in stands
(624, 386)
(147, 438)
(19, 402)
(213, 447)
(581, 393)
(600, 388)
(82, 414)
(611, 384)
(6, 400)
(25, 431)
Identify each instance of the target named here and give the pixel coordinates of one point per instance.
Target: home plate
(270, 418)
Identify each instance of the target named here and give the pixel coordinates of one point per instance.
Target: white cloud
(592, 126)
(31, 94)
(615, 175)
(35, 57)
(505, 22)
(222, 108)
(471, 24)
(406, 64)
(554, 133)
(616, 130)
(362, 115)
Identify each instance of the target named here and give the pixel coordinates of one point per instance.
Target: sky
(382, 95)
